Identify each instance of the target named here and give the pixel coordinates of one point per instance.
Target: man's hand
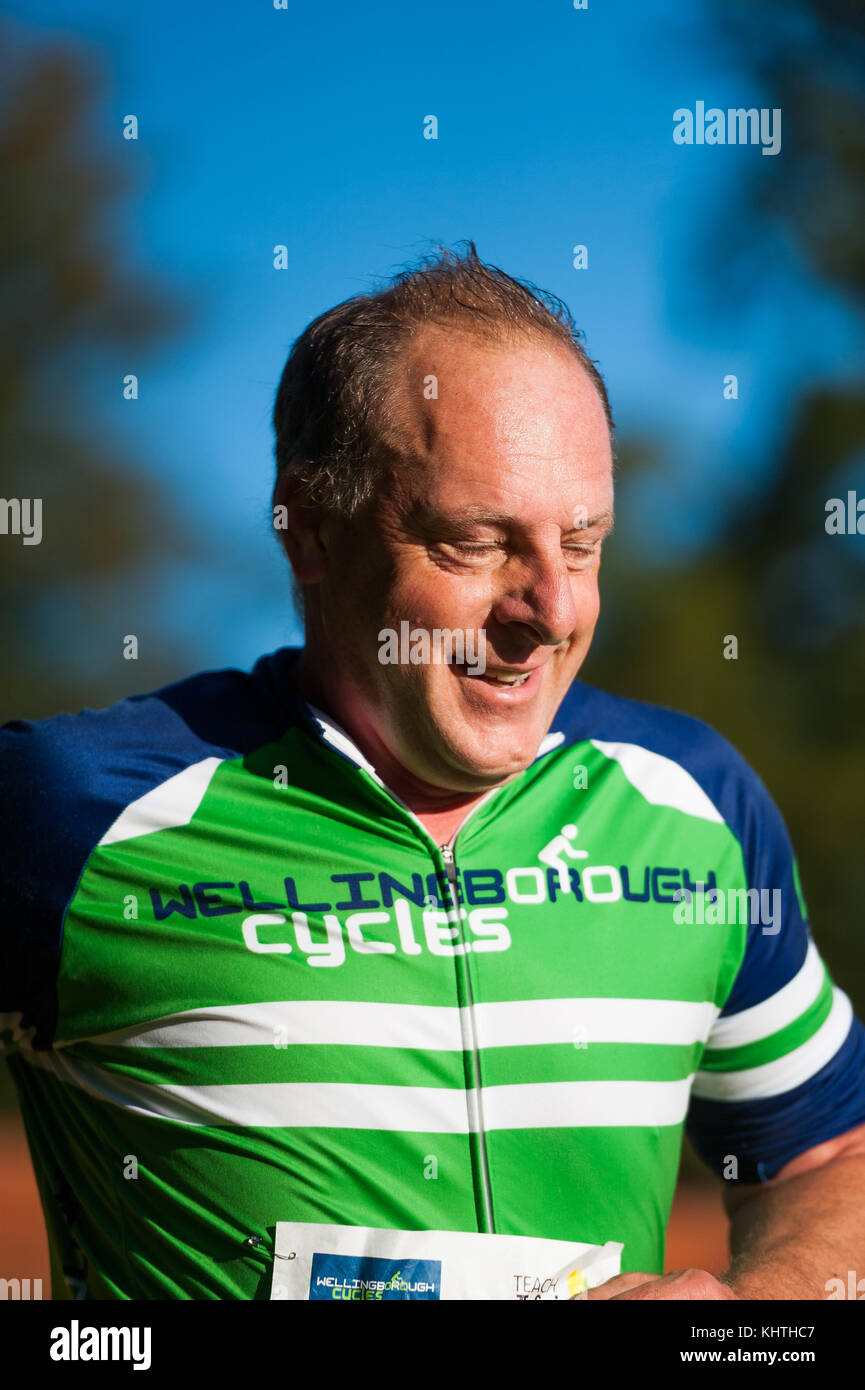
(683, 1284)
(788, 1236)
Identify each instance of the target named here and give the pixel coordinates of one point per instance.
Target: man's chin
(479, 766)
(480, 747)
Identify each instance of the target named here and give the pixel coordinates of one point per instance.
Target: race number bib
(354, 1264)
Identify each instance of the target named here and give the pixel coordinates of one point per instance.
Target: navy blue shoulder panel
(63, 782)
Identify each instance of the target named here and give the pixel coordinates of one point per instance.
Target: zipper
(467, 1023)
(330, 733)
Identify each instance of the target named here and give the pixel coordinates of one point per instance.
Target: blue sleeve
(784, 1067)
(64, 781)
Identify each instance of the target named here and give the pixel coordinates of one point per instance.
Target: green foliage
(74, 314)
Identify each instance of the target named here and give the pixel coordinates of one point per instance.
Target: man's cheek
(587, 601)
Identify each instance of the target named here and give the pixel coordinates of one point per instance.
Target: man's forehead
(524, 402)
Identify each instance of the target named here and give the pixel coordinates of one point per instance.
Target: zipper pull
(451, 871)
(450, 864)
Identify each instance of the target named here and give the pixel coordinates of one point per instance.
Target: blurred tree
(70, 304)
(809, 55)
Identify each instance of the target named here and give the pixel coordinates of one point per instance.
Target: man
(392, 934)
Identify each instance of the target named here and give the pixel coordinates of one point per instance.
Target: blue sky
(305, 127)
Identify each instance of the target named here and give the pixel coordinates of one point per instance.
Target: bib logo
(357, 1278)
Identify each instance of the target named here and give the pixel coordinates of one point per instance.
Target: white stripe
(670, 1021)
(300, 1021)
(522, 1023)
(548, 743)
(774, 1078)
(173, 802)
(336, 736)
(561, 1104)
(432, 1109)
(412, 1109)
(776, 1012)
(660, 780)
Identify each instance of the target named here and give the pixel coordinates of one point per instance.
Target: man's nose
(542, 600)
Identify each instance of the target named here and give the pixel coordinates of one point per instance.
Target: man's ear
(298, 525)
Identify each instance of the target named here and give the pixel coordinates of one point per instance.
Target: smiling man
(400, 947)
(490, 520)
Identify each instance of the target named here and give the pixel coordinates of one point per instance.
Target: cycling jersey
(243, 985)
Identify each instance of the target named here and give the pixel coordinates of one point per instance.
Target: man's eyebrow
(421, 513)
(479, 515)
(483, 515)
(603, 519)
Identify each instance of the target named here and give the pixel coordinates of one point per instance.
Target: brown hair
(332, 406)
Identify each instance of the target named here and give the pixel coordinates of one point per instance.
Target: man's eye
(473, 547)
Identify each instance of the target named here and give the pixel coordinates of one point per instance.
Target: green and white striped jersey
(243, 985)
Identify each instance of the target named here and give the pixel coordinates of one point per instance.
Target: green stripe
(797, 884)
(775, 1045)
(501, 1066)
(389, 1066)
(252, 1065)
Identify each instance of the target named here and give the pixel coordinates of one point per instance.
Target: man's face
(493, 524)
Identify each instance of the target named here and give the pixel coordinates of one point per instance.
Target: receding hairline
(394, 438)
(336, 415)
(491, 335)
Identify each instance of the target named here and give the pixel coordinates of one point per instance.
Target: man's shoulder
(589, 712)
(661, 736)
(64, 780)
(226, 712)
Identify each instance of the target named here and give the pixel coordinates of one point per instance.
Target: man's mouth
(506, 679)
(503, 677)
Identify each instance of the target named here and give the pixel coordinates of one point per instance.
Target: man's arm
(779, 1091)
(788, 1237)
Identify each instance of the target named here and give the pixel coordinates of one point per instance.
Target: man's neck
(439, 810)
(443, 825)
